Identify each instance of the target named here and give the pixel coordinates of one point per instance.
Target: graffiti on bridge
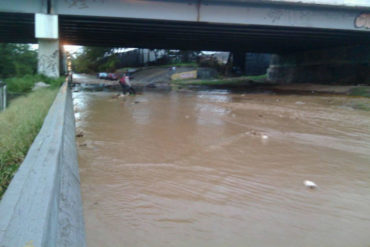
(49, 63)
(81, 4)
(363, 21)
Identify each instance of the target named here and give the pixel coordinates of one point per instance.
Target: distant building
(138, 57)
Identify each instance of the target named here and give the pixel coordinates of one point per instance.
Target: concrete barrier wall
(346, 65)
(184, 75)
(43, 206)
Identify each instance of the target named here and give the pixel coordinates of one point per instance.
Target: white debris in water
(252, 132)
(299, 103)
(310, 184)
(264, 137)
(187, 116)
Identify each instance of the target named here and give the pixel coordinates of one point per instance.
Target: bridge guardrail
(42, 205)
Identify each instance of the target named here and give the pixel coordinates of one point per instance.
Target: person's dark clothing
(126, 85)
(127, 89)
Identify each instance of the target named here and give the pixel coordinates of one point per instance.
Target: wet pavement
(215, 168)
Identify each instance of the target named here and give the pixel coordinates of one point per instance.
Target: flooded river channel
(214, 168)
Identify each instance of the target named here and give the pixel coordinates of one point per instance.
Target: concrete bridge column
(343, 65)
(46, 30)
(239, 61)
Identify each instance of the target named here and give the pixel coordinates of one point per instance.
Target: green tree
(110, 65)
(25, 60)
(17, 60)
(90, 59)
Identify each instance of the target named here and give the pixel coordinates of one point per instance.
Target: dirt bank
(160, 76)
(331, 89)
(142, 77)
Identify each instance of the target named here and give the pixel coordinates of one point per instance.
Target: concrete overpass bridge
(248, 25)
(272, 26)
(313, 39)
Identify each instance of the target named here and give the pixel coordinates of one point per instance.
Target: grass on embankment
(25, 84)
(125, 69)
(360, 91)
(190, 64)
(19, 125)
(218, 82)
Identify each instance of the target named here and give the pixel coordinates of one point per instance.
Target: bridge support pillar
(345, 65)
(48, 58)
(239, 61)
(46, 30)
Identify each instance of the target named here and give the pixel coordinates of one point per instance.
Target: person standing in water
(126, 85)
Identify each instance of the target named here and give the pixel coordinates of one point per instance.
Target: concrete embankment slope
(43, 206)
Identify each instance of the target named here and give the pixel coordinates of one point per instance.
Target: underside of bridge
(309, 38)
(125, 32)
(200, 36)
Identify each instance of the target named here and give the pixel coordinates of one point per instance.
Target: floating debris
(264, 137)
(187, 116)
(299, 103)
(309, 184)
(252, 132)
(80, 134)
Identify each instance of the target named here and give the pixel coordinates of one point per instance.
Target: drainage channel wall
(42, 206)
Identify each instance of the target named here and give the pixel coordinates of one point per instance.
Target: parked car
(112, 76)
(129, 74)
(102, 75)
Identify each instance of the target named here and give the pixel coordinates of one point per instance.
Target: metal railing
(2, 96)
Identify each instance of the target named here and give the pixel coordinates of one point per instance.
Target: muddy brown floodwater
(192, 169)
